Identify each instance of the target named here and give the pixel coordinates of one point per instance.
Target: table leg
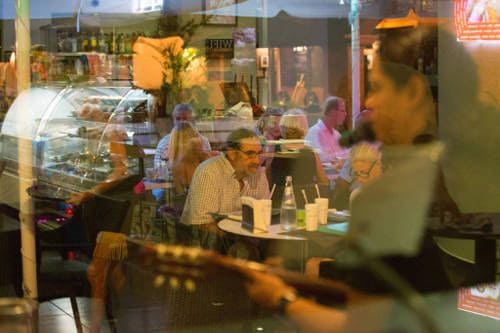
(304, 252)
(486, 260)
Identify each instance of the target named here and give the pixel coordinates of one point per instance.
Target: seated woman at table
(366, 166)
(268, 124)
(296, 160)
(345, 183)
(268, 128)
(185, 154)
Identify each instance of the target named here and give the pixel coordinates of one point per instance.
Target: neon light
(477, 19)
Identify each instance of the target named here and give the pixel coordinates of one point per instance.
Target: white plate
(339, 215)
(285, 141)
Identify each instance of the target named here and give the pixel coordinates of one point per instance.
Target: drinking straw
(305, 196)
(272, 191)
(317, 190)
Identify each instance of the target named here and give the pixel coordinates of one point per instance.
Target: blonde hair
(267, 119)
(293, 124)
(365, 151)
(181, 140)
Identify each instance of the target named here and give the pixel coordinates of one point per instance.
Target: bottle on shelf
(109, 43)
(128, 44)
(288, 216)
(59, 41)
(85, 42)
(66, 43)
(101, 42)
(133, 39)
(116, 43)
(79, 42)
(73, 43)
(93, 42)
(121, 43)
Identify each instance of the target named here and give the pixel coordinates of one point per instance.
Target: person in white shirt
(323, 136)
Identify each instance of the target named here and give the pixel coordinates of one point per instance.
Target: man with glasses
(324, 136)
(219, 182)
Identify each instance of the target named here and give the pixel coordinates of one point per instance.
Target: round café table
(275, 231)
(487, 252)
(308, 243)
(281, 241)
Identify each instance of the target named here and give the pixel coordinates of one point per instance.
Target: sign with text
(483, 300)
(477, 20)
(219, 48)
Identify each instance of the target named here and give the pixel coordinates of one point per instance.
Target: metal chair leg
(76, 314)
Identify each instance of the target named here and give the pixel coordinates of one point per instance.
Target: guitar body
(154, 302)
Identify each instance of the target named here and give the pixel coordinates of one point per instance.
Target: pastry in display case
(79, 137)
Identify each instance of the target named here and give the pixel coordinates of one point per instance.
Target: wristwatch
(285, 299)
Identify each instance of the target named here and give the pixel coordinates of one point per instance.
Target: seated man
(219, 182)
(182, 112)
(323, 136)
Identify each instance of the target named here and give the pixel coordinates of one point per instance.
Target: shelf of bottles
(85, 56)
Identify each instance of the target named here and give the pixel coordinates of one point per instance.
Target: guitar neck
(189, 262)
(309, 285)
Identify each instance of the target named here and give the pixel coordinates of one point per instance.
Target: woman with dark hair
(403, 111)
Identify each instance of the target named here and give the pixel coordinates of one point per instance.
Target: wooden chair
(59, 277)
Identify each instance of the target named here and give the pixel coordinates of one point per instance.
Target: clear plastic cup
(262, 213)
(322, 210)
(311, 216)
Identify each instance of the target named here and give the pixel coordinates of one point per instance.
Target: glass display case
(79, 136)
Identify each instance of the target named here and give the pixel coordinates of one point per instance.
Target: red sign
(477, 19)
(483, 300)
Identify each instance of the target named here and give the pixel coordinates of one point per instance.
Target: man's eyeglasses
(251, 153)
(364, 173)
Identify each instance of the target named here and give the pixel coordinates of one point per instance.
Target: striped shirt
(215, 189)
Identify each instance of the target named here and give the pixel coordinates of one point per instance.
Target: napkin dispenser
(254, 217)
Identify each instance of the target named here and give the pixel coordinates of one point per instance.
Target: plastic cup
(311, 216)
(322, 210)
(301, 216)
(265, 208)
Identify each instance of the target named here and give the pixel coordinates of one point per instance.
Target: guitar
(193, 263)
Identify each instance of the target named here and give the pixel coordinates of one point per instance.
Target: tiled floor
(56, 316)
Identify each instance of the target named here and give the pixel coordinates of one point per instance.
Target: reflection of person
(366, 165)
(403, 113)
(323, 135)
(182, 112)
(219, 182)
(268, 124)
(118, 157)
(185, 154)
(294, 158)
(362, 134)
(268, 128)
(119, 161)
